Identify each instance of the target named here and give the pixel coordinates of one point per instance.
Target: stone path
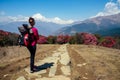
(49, 66)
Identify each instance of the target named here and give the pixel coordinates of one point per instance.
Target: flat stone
(35, 73)
(51, 59)
(53, 70)
(57, 54)
(66, 70)
(60, 77)
(21, 78)
(60, 55)
(65, 59)
(40, 62)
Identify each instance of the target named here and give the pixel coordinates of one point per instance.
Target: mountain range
(103, 25)
(44, 28)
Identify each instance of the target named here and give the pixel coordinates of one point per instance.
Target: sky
(57, 11)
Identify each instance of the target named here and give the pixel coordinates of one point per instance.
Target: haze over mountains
(104, 25)
(44, 28)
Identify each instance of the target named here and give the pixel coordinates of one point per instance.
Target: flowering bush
(108, 42)
(88, 38)
(42, 40)
(61, 39)
(8, 38)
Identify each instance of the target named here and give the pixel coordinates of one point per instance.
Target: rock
(86, 73)
(5, 75)
(66, 70)
(60, 77)
(84, 64)
(35, 73)
(65, 59)
(80, 65)
(21, 78)
(85, 78)
(53, 70)
(60, 55)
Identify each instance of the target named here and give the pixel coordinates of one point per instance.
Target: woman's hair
(32, 20)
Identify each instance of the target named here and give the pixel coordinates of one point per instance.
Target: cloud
(4, 18)
(110, 9)
(37, 17)
(56, 20)
(18, 18)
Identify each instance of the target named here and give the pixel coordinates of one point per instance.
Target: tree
(51, 39)
(78, 38)
(42, 40)
(108, 42)
(72, 40)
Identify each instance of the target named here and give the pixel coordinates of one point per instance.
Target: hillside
(61, 62)
(109, 32)
(93, 25)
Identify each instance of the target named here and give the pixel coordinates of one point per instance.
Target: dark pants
(32, 50)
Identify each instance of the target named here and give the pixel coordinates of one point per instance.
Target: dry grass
(87, 62)
(103, 62)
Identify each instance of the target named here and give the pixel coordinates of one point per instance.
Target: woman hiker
(32, 47)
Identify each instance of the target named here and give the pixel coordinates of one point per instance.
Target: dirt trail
(54, 67)
(67, 62)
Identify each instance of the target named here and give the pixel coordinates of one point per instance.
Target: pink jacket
(34, 36)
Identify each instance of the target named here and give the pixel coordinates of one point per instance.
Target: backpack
(24, 37)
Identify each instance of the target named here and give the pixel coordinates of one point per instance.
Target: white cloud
(56, 20)
(110, 9)
(18, 18)
(4, 18)
(37, 17)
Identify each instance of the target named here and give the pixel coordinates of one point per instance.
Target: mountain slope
(109, 32)
(92, 25)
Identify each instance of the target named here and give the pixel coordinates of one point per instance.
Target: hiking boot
(31, 71)
(35, 66)
(35, 69)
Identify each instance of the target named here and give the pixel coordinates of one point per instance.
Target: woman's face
(32, 23)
